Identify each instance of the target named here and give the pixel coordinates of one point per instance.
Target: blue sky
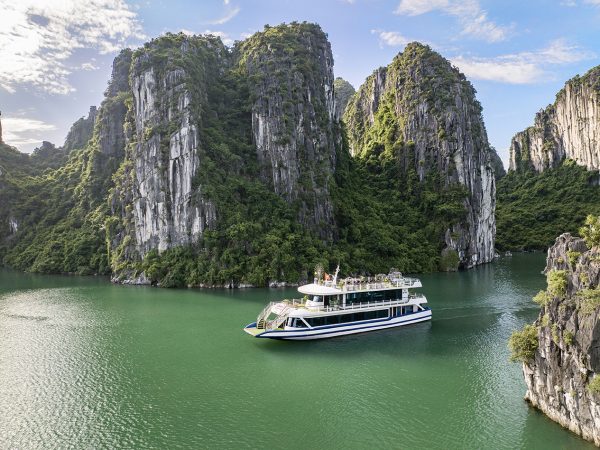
(56, 54)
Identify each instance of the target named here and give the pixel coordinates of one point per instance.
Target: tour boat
(332, 308)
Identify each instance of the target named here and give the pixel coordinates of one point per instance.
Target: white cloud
(502, 69)
(572, 3)
(524, 67)
(20, 131)
(391, 38)
(88, 66)
(418, 7)
(472, 18)
(38, 37)
(230, 13)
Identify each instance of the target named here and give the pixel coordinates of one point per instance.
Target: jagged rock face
(497, 164)
(427, 111)
(81, 131)
(343, 93)
(293, 116)
(109, 125)
(569, 128)
(167, 210)
(569, 344)
(195, 102)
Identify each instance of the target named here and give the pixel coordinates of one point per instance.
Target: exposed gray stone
(569, 128)
(558, 376)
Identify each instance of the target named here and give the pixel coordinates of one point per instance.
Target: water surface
(84, 363)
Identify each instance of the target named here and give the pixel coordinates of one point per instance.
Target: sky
(56, 55)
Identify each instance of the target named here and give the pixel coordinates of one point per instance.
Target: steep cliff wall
(164, 142)
(569, 128)
(213, 132)
(293, 116)
(422, 112)
(81, 131)
(560, 373)
(344, 92)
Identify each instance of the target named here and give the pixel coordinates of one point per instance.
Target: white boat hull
(325, 332)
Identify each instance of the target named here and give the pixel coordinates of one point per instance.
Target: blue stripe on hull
(308, 334)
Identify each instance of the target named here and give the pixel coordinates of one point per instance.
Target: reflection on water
(84, 363)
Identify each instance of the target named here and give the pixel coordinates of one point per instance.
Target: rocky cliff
(210, 165)
(81, 131)
(164, 144)
(562, 374)
(205, 118)
(423, 112)
(567, 129)
(344, 92)
(294, 124)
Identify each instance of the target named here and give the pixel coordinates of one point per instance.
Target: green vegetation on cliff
(387, 217)
(343, 94)
(55, 232)
(59, 213)
(278, 201)
(523, 344)
(532, 209)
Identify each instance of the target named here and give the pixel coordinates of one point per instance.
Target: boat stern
(252, 330)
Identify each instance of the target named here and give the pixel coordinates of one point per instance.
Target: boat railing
(356, 285)
(300, 303)
(264, 314)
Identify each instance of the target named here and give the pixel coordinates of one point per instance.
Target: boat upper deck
(300, 304)
(378, 283)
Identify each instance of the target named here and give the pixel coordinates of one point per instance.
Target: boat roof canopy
(316, 289)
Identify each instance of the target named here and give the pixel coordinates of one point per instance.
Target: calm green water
(86, 364)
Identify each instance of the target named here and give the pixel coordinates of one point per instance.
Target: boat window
(333, 320)
(373, 296)
(299, 323)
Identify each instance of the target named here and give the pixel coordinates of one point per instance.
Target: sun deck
(300, 304)
(377, 283)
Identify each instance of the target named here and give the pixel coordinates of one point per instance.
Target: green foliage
(568, 337)
(557, 283)
(532, 209)
(387, 217)
(542, 298)
(573, 257)
(555, 333)
(449, 260)
(590, 232)
(523, 344)
(60, 205)
(57, 231)
(545, 320)
(589, 300)
(594, 385)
